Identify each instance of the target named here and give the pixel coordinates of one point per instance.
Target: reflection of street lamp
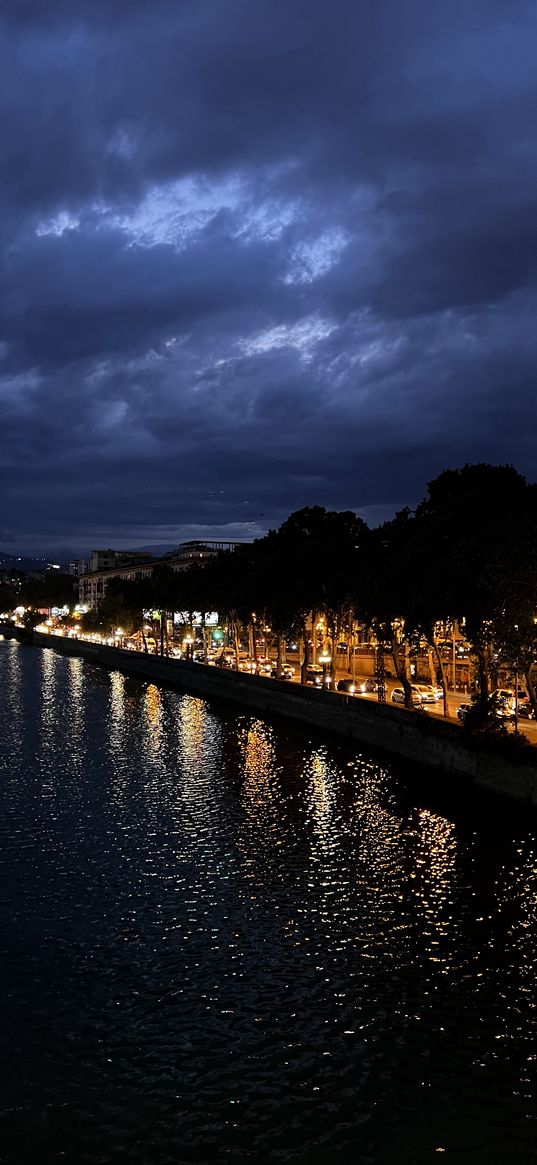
(325, 660)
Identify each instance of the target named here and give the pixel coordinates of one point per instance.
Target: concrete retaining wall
(432, 743)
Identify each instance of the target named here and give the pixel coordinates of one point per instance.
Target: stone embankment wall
(432, 743)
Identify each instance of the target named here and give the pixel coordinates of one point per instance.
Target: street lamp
(189, 640)
(516, 680)
(325, 660)
(119, 634)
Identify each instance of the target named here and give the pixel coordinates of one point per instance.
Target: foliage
(55, 590)
(467, 555)
(483, 718)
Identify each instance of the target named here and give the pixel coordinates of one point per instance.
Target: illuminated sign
(196, 619)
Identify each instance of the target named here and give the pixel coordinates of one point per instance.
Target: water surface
(229, 940)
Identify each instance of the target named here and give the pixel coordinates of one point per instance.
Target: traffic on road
(512, 708)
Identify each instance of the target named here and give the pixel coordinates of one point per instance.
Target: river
(225, 939)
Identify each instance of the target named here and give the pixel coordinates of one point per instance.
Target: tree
(126, 604)
(474, 527)
(385, 591)
(55, 590)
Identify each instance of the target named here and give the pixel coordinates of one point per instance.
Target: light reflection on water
(225, 941)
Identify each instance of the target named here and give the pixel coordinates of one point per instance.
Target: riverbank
(428, 742)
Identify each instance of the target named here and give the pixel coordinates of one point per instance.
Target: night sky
(260, 254)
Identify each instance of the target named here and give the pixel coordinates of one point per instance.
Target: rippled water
(227, 941)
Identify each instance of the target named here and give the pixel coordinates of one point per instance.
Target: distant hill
(25, 562)
(39, 562)
(157, 550)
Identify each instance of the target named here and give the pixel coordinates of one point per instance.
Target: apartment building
(136, 566)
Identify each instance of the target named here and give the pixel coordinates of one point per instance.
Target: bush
(483, 725)
(483, 718)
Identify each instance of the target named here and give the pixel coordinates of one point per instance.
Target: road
(455, 699)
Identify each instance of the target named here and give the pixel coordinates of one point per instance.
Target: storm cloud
(258, 254)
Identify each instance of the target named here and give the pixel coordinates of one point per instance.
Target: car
(504, 697)
(436, 689)
(368, 685)
(428, 693)
(287, 672)
(504, 710)
(314, 675)
(264, 667)
(503, 700)
(398, 695)
(342, 647)
(521, 699)
(347, 686)
(525, 711)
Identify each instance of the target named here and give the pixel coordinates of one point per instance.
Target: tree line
(466, 556)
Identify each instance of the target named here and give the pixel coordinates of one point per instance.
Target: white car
(505, 701)
(429, 695)
(398, 695)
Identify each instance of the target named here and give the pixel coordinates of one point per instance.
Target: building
(108, 559)
(188, 553)
(78, 566)
(138, 566)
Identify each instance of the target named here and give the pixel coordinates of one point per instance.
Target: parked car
(398, 695)
(368, 685)
(314, 675)
(347, 686)
(525, 710)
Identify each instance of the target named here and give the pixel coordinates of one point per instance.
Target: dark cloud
(260, 255)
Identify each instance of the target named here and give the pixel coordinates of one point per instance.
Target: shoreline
(430, 743)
